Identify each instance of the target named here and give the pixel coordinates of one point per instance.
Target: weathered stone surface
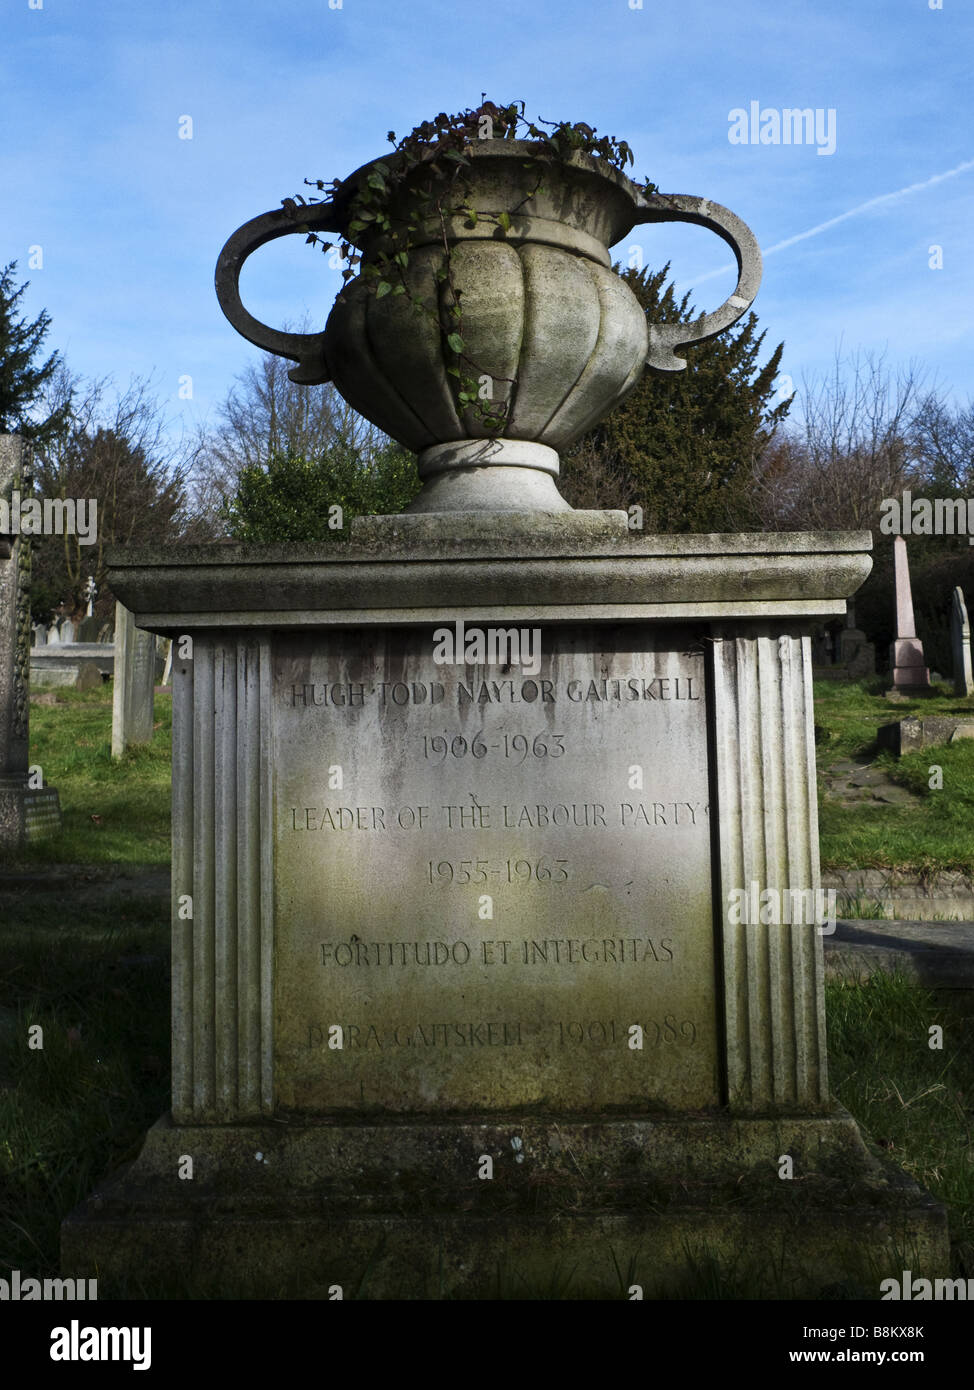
(902, 896)
(491, 791)
(905, 735)
(230, 756)
(492, 569)
(61, 677)
(397, 1212)
(856, 654)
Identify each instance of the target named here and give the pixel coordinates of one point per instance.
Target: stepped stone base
(580, 1209)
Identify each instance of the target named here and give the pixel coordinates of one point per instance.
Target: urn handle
(307, 349)
(666, 338)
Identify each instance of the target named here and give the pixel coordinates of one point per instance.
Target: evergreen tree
(683, 446)
(21, 382)
(291, 498)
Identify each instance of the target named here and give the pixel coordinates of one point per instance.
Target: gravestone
(134, 683)
(856, 654)
(38, 635)
(89, 629)
(906, 654)
(822, 652)
(67, 632)
(28, 810)
(53, 635)
(842, 652)
(89, 677)
(960, 638)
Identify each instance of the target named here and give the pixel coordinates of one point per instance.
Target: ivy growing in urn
(422, 183)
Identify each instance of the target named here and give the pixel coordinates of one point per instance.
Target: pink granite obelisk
(906, 655)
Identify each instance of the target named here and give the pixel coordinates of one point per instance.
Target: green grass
(72, 1110)
(914, 1101)
(937, 833)
(71, 741)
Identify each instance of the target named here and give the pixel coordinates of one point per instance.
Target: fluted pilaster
(223, 876)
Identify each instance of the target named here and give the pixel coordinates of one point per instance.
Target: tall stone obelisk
(906, 653)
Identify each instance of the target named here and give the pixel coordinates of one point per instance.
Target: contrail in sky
(844, 216)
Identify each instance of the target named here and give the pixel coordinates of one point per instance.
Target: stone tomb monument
(464, 815)
(28, 811)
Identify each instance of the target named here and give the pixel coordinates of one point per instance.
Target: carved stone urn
(554, 337)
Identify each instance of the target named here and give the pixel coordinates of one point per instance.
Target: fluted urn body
(518, 239)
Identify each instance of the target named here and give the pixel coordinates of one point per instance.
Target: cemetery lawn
(935, 832)
(96, 980)
(914, 1102)
(114, 812)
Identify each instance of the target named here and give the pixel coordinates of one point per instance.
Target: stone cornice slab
(409, 569)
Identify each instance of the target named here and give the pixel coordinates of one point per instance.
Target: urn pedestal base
(489, 475)
(574, 1209)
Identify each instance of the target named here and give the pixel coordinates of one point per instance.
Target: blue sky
(130, 218)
